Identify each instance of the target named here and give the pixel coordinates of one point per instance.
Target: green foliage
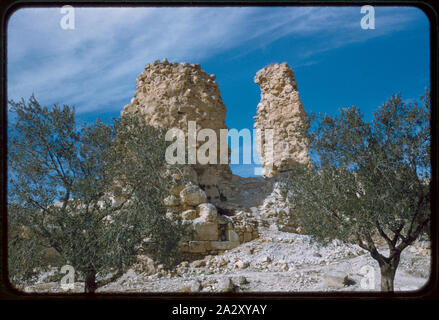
(367, 180)
(92, 194)
(25, 251)
(139, 158)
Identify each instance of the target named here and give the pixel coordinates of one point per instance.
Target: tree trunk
(90, 281)
(387, 278)
(388, 270)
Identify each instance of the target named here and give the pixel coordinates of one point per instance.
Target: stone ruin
(220, 207)
(281, 110)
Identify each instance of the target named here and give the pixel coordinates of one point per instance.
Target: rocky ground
(275, 262)
(281, 260)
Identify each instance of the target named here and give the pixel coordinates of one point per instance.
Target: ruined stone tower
(281, 110)
(170, 95)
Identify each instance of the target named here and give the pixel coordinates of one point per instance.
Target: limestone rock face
(281, 110)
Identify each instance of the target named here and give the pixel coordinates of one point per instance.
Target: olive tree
(368, 182)
(92, 194)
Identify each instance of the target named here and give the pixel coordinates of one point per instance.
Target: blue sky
(336, 63)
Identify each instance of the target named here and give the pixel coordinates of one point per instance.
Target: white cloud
(97, 63)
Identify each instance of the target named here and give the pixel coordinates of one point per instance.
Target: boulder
(195, 286)
(241, 264)
(225, 285)
(207, 212)
(193, 195)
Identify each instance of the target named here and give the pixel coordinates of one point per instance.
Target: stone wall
(213, 231)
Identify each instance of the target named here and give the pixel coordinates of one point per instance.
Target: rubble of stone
(275, 262)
